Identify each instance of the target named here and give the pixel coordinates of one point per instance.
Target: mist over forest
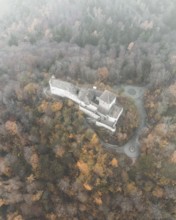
(52, 162)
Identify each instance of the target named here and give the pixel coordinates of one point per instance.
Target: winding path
(132, 147)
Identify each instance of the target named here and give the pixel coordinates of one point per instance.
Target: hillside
(52, 163)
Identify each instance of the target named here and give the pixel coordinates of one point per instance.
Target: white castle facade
(100, 106)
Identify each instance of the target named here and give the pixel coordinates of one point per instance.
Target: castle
(100, 106)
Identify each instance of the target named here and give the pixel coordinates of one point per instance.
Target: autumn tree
(102, 73)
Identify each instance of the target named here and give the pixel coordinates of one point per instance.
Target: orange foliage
(173, 157)
(98, 201)
(114, 162)
(121, 136)
(31, 88)
(103, 73)
(18, 217)
(94, 139)
(161, 129)
(131, 188)
(51, 216)
(2, 202)
(71, 136)
(43, 107)
(14, 216)
(98, 169)
(34, 160)
(11, 127)
(87, 187)
(97, 198)
(59, 151)
(149, 141)
(158, 192)
(83, 167)
(30, 178)
(37, 196)
(56, 106)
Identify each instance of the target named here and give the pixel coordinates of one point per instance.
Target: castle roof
(87, 95)
(63, 85)
(114, 112)
(107, 97)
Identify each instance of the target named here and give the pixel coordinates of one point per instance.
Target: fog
(54, 162)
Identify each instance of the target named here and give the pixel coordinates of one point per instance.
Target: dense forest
(52, 163)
